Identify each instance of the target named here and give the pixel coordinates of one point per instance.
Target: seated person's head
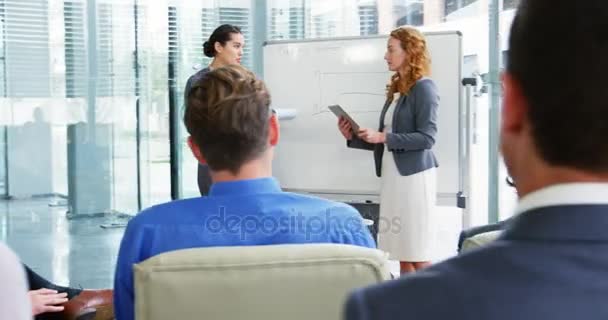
(555, 111)
(232, 128)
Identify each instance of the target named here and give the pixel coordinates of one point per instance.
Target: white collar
(565, 194)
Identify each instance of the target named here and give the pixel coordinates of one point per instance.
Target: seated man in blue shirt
(233, 130)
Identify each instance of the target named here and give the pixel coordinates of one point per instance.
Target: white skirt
(407, 227)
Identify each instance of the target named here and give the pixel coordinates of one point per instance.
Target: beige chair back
(309, 281)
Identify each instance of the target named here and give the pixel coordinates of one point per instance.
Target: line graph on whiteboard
(357, 92)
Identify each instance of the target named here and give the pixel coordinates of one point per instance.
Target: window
(75, 49)
(309, 19)
(287, 22)
(26, 48)
(454, 5)
(47, 69)
(409, 12)
(114, 48)
(510, 4)
(368, 19)
(2, 57)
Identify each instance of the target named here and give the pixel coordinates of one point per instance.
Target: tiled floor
(80, 253)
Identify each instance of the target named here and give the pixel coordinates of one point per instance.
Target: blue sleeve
(426, 103)
(355, 308)
(352, 230)
(128, 255)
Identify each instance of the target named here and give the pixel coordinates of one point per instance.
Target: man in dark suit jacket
(552, 260)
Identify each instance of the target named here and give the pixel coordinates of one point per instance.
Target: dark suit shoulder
(519, 278)
(429, 293)
(442, 291)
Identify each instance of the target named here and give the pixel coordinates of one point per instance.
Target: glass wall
(510, 4)
(82, 116)
(89, 86)
(308, 19)
(92, 79)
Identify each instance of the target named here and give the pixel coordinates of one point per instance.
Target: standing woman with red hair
(403, 152)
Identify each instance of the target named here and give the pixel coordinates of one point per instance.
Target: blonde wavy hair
(417, 64)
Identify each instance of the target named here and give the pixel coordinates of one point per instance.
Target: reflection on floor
(77, 252)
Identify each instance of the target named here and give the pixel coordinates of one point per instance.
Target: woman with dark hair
(225, 46)
(403, 152)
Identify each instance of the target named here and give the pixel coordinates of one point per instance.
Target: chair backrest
(301, 281)
(480, 240)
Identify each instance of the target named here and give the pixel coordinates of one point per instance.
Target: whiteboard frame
(444, 199)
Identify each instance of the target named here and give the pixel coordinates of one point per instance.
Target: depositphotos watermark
(328, 223)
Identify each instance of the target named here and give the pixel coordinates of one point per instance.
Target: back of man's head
(558, 53)
(227, 115)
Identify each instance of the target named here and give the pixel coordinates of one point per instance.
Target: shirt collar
(245, 187)
(565, 194)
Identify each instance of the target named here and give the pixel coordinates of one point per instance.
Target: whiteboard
(308, 76)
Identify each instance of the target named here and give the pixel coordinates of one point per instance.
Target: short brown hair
(227, 114)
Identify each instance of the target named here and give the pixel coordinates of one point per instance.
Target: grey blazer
(414, 129)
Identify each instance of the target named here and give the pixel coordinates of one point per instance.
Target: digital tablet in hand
(339, 112)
